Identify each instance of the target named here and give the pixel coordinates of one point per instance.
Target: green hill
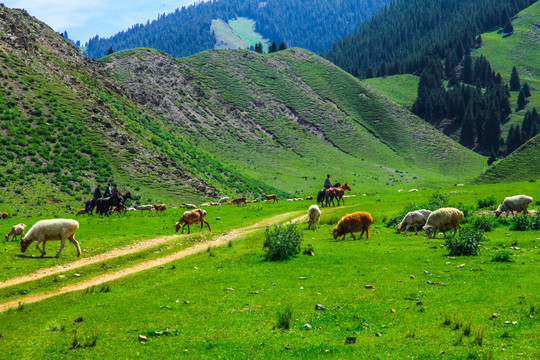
(290, 117)
(65, 126)
(521, 165)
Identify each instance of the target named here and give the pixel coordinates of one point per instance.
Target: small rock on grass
(143, 338)
(308, 327)
(378, 334)
(412, 276)
(320, 307)
(370, 287)
(494, 316)
(392, 310)
(229, 289)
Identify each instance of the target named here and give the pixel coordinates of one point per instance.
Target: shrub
(502, 256)
(520, 222)
(487, 202)
(502, 221)
(535, 223)
(436, 201)
(482, 223)
(282, 242)
(467, 243)
(284, 318)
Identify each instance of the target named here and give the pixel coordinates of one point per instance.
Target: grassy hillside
(522, 164)
(402, 89)
(65, 126)
(290, 117)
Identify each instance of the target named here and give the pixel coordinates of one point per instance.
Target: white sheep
(16, 230)
(131, 209)
(514, 203)
(441, 219)
(314, 213)
(145, 207)
(223, 200)
(49, 230)
(188, 206)
(414, 218)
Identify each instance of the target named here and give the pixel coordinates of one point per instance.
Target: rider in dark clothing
(108, 191)
(327, 182)
(97, 192)
(116, 192)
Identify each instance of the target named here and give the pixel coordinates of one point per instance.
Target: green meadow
(224, 302)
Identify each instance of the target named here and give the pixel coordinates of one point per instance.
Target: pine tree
(110, 51)
(521, 101)
(467, 72)
(515, 83)
(282, 46)
(526, 90)
(259, 47)
(467, 129)
(508, 28)
(273, 48)
(492, 157)
(370, 73)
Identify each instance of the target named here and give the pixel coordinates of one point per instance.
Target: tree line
(313, 25)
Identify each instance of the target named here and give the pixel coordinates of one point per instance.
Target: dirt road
(100, 279)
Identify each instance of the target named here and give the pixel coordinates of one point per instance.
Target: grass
(212, 321)
(403, 89)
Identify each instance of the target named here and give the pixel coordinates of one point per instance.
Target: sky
(84, 19)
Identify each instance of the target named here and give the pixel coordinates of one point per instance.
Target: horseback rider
(327, 182)
(116, 192)
(108, 190)
(97, 192)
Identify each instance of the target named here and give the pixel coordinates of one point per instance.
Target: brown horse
(336, 192)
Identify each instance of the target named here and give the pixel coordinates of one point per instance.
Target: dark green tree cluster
(478, 103)
(403, 36)
(523, 96)
(313, 25)
(518, 135)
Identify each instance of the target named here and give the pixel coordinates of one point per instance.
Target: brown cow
(241, 200)
(270, 197)
(191, 218)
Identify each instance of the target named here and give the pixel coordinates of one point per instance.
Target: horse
(104, 204)
(336, 192)
(90, 205)
(321, 195)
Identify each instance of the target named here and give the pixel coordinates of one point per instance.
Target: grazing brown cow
(191, 218)
(160, 207)
(241, 200)
(270, 197)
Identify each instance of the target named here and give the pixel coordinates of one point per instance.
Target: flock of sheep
(360, 221)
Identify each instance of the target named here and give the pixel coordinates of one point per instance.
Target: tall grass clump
(284, 318)
(535, 223)
(502, 256)
(487, 202)
(467, 243)
(282, 242)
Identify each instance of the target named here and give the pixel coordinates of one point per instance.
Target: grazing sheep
(160, 207)
(309, 198)
(314, 214)
(241, 200)
(145, 207)
(16, 230)
(272, 197)
(351, 223)
(401, 190)
(188, 206)
(5, 215)
(414, 219)
(441, 219)
(190, 218)
(413, 190)
(131, 209)
(223, 200)
(514, 203)
(82, 212)
(204, 204)
(48, 230)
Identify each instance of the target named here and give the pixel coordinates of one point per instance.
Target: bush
(282, 242)
(520, 222)
(487, 202)
(502, 256)
(467, 243)
(436, 201)
(483, 223)
(535, 223)
(502, 221)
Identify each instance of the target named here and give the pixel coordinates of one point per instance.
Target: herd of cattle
(360, 221)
